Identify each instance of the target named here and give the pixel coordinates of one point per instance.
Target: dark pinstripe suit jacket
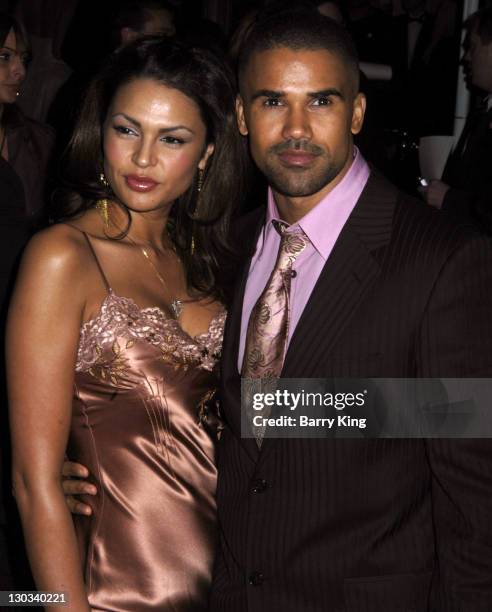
(367, 525)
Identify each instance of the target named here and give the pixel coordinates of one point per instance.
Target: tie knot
(291, 244)
(280, 226)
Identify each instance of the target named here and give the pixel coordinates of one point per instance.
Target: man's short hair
(481, 23)
(300, 30)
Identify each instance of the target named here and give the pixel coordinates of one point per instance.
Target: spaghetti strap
(108, 286)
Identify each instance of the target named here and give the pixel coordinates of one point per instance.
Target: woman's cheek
(184, 165)
(114, 153)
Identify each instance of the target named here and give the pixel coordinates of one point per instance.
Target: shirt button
(256, 579)
(259, 486)
(293, 274)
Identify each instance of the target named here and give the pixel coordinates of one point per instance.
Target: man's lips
(292, 157)
(141, 184)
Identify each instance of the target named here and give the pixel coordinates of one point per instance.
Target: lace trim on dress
(120, 317)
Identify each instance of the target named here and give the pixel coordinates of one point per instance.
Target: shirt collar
(323, 224)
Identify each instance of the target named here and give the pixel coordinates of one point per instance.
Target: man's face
(161, 23)
(477, 61)
(300, 111)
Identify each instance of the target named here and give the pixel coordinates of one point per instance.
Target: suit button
(259, 486)
(256, 579)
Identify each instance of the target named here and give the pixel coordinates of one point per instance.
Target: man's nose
(297, 124)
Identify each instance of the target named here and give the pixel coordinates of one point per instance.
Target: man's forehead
(309, 68)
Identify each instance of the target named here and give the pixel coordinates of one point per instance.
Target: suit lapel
(231, 380)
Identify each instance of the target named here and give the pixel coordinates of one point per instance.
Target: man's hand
(72, 485)
(435, 193)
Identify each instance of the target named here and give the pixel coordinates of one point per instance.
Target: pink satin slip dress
(142, 424)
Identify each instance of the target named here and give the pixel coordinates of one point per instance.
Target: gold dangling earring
(103, 205)
(193, 216)
(103, 209)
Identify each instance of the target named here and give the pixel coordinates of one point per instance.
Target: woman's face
(13, 58)
(154, 143)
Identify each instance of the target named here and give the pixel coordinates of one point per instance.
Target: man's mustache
(296, 145)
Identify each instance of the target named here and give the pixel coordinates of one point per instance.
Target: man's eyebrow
(8, 48)
(161, 131)
(331, 91)
(267, 93)
(272, 93)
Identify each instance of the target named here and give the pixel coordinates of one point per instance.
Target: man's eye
(4, 56)
(272, 102)
(322, 101)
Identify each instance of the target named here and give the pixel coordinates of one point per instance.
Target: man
(466, 187)
(134, 19)
(380, 290)
(379, 286)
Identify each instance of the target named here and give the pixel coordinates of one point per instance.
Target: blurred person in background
(25, 147)
(466, 185)
(428, 76)
(134, 19)
(46, 22)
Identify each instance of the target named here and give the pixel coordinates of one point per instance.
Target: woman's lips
(141, 184)
(297, 158)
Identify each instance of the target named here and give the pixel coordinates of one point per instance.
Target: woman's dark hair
(204, 78)
(7, 23)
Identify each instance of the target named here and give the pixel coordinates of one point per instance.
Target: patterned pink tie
(268, 326)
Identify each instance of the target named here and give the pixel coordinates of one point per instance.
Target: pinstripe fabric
(367, 525)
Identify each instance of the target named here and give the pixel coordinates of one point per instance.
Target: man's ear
(202, 164)
(358, 113)
(241, 121)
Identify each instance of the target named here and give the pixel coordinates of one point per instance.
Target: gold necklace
(176, 306)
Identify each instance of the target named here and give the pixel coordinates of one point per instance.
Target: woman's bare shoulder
(60, 251)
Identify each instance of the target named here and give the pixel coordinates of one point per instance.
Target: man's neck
(291, 210)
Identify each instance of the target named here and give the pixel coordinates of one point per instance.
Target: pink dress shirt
(322, 225)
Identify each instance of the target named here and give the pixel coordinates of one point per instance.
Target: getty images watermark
(291, 401)
(367, 408)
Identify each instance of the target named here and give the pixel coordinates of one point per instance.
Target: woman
(115, 331)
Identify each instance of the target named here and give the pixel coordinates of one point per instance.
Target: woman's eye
(126, 131)
(172, 140)
(4, 56)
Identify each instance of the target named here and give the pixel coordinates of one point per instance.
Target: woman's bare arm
(42, 337)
